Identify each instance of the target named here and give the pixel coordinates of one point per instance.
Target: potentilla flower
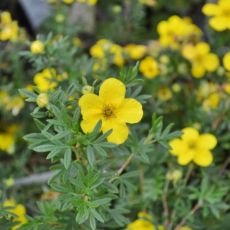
(18, 210)
(37, 47)
(112, 109)
(201, 58)
(149, 67)
(193, 146)
(219, 13)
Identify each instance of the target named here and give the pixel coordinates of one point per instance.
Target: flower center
(226, 12)
(108, 111)
(192, 145)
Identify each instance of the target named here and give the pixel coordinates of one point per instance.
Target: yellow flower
(144, 222)
(148, 2)
(201, 58)
(219, 13)
(193, 146)
(164, 94)
(135, 52)
(46, 80)
(68, 1)
(98, 50)
(7, 139)
(212, 101)
(226, 61)
(42, 100)
(37, 47)
(9, 29)
(185, 31)
(112, 109)
(185, 228)
(117, 50)
(17, 209)
(149, 67)
(227, 88)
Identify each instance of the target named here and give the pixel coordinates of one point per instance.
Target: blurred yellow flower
(9, 29)
(118, 58)
(48, 79)
(176, 31)
(68, 1)
(149, 67)
(134, 51)
(148, 2)
(212, 101)
(185, 228)
(164, 94)
(144, 222)
(201, 58)
(17, 209)
(193, 146)
(219, 13)
(112, 109)
(227, 88)
(226, 61)
(7, 139)
(37, 47)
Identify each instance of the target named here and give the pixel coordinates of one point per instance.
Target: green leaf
(67, 158)
(90, 155)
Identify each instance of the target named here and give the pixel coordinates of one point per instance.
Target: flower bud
(37, 47)
(42, 100)
(87, 89)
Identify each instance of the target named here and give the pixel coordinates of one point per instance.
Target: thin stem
(165, 204)
(123, 167)
(192, 212)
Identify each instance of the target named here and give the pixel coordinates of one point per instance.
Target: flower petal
(211, 62)
(207, 141)
(190, 134)
(210, 9)
(198, 70)
(203, 158)
(218, 23)
(177, 147)
(91, 106)
(112, 91)
(186, 157)
(119, 134)
(130, 111)
(88, 125)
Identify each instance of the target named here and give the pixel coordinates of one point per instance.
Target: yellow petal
(186, 157)
(177, 146)
(190, 134)
(210, 9)
(188, 52)
(207, 141)
(226, 61)
(203, 158)
(130, 111)
(211, 62)
(88, 125)
(112, 91)
(119, 133)
(218, 23)
(202, 48)
(91, 106)
(198, 70)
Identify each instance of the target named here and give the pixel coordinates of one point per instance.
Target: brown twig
(123, 167)
(192, 212)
